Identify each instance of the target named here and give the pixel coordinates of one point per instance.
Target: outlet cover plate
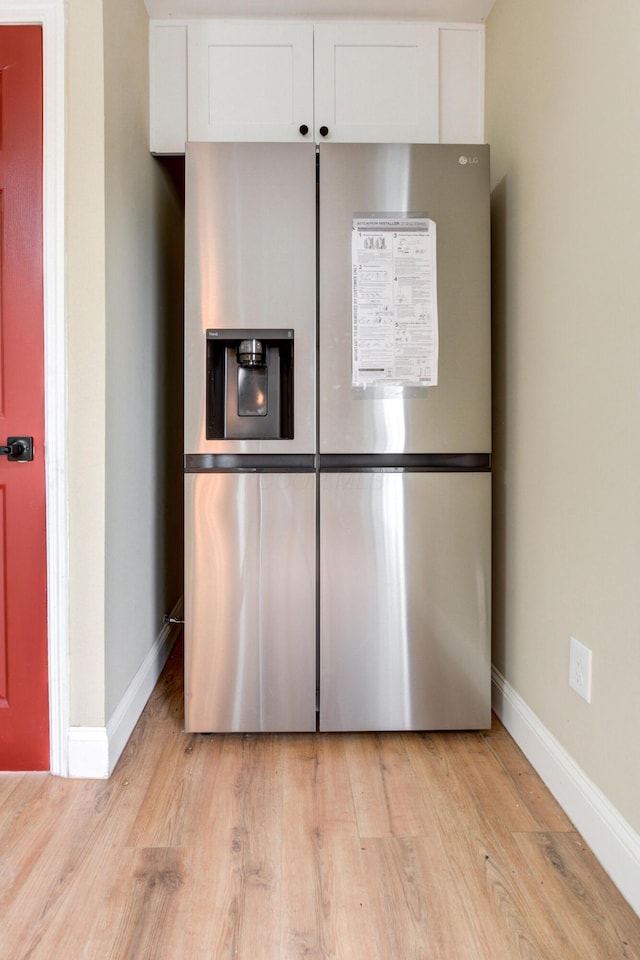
(580, 668)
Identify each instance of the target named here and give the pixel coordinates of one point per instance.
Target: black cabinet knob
(324, 131)
(304, 129)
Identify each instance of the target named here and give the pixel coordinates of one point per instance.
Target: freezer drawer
(404, 601)
(250, 660)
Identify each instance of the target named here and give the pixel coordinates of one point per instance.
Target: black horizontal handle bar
(249, 462)
(433, 462)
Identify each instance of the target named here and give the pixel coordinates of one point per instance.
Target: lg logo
(464, 160)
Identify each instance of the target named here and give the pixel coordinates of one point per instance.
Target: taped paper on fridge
(394, 301)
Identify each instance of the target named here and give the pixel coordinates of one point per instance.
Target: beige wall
(143, 544)
(562, 118)
(124, 322)
(85, 285)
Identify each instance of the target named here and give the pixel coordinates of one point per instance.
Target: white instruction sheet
(395, 309)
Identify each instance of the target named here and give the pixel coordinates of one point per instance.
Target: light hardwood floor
(263, 847)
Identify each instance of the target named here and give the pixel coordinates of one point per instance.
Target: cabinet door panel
(250, 80)
(377, 82)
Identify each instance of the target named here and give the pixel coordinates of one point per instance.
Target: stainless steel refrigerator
(337, 509)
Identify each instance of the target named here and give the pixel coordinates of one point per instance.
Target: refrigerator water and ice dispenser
(250, 384)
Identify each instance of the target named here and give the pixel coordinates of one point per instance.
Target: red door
(24, 710)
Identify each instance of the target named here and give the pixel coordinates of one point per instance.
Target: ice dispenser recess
(249, 384)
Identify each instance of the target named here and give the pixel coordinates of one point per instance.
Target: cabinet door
(250, 80)
(376, 82)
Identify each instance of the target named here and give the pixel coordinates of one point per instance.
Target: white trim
(88, 753)
(94, 751)
(30, 11)
(612, 839)
(475, 11)
(51, 15)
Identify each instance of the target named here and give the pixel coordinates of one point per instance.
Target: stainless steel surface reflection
(250, 249)
(404, 601)
(250, 661)
(399, 178)
(404, 547)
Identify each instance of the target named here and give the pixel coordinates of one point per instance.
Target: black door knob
(18, 449)
(324, 131)
(304, 129)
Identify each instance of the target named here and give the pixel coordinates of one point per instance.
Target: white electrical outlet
(580, 668)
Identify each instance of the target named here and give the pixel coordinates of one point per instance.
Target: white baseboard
(94, 751)
(88, 753)
(613, 841)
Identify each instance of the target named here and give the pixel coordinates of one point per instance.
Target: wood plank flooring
(357, 847)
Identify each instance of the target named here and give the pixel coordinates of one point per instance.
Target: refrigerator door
(250, 255)
(250, 612)
(405, 601)
(430, 179)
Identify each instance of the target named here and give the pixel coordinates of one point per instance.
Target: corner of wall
(610, 837)
(94, 751)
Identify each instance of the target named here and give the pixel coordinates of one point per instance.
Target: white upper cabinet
(250, 80)
(294, 80)
(376, 82)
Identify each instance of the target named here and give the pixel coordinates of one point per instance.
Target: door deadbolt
(18, 449)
